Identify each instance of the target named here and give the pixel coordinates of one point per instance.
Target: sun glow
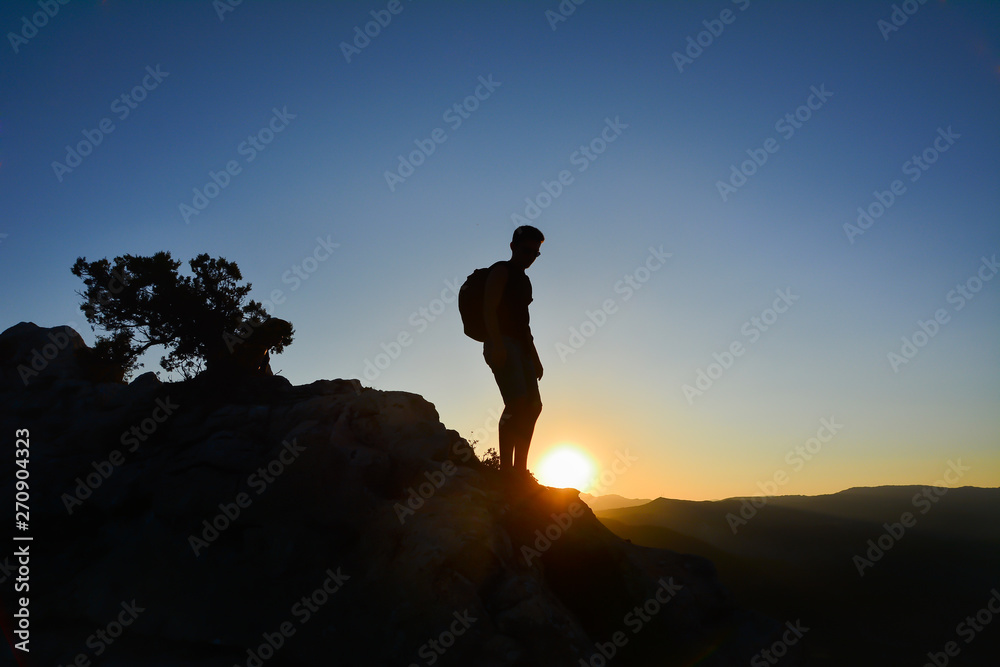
(566, 466)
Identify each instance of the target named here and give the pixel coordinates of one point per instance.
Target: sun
(566, 466)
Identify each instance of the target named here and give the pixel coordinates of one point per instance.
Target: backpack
(471, 298)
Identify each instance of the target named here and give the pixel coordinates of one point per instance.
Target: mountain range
(883, 575)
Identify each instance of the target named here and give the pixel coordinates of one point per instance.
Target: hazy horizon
(779, 495)
(712, 311)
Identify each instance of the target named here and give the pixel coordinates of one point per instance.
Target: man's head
(524, 245)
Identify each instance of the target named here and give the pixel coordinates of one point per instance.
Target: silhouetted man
(510, 350)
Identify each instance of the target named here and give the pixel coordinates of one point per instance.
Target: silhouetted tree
(201, 319)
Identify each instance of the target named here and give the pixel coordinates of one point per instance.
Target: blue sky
(329, 130)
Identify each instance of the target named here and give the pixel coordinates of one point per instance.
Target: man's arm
(495, 284)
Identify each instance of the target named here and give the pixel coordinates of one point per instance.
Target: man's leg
(522, 406)
(528, 411)
(507, 437)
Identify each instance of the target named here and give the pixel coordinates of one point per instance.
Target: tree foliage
(143, 302)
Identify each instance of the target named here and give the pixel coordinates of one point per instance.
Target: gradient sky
(655, 186)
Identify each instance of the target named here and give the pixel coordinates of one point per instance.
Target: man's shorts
(518, 376)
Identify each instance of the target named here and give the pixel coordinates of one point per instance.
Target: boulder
(328, 523)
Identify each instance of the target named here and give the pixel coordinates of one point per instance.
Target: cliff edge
(322, 524)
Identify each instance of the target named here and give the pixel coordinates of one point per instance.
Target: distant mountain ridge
(610, 501)
(885, 574)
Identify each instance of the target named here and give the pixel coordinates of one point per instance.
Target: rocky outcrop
(324, 524)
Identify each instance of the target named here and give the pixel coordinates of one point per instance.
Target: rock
(145, 382)
(33, 356)
(350, 517)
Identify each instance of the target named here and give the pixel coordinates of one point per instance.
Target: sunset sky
(697, 170)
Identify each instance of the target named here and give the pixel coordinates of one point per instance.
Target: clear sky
(684, 186)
